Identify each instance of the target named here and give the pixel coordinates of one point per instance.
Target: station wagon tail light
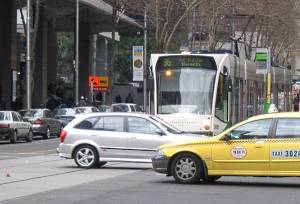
(38, 121)
(4, 125)
(63, 135)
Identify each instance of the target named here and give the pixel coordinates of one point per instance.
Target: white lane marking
(29, 153)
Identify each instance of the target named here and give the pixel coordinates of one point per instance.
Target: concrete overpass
(56, 16)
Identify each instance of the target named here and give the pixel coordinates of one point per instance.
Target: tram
(205, 93)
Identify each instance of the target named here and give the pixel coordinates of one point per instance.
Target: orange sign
(98, 83)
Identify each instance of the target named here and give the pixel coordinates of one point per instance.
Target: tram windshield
(186, 86)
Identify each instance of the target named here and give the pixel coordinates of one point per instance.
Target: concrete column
(52, 51)
(8, 54)
(45, 58)
(84, 58)
(40, 69)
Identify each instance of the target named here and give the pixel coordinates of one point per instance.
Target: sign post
(263, 66)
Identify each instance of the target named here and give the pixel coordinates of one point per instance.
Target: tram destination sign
(186, 61)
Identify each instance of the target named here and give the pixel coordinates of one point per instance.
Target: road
(30, 175)
(23, 149)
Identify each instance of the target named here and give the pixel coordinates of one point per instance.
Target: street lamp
(28, 59)
(77, 55)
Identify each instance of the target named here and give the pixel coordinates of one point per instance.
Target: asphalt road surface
(40, 177)
(20, 149)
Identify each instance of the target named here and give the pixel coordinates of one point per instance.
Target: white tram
(205, 93)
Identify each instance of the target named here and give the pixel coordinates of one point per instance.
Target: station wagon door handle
(134, 138)
(94, 135)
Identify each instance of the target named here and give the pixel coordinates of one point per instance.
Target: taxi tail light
(4, 125)
(38, 121)
(63, 135)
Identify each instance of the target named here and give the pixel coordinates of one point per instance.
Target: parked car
(43, 122)
(106, 137)
(265, 145)
(125, 107)
(12, 127)
(87, 109)
(104, 108)
(66, 115)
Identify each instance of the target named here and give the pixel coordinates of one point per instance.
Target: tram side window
(222, 99)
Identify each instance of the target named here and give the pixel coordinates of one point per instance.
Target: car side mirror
(159, 131)
(226, 137)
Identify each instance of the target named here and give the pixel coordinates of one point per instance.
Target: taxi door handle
(258, 146)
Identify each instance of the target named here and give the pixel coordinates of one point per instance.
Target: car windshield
(166, 125)
(138, 108)
(32, 113)
(188, 90)
(67, 111)
(88, 109)
(120, 108)
(185, 84)
(4, 116)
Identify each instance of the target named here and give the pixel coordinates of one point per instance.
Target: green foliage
(65, 53)
(123, 61)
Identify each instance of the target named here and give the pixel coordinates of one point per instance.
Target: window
(140, 125)
(47, 114)
(111, 124)
(132, 108)
(14, 116)
(253, 130)
(288, 128)
(87, 124)
(221, 101)
(19, 117)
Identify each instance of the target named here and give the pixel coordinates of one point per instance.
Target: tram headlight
(206, 124)
(168, 72)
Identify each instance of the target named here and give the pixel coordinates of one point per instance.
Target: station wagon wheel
(47, 134)
(29, 136)
(86, 156)
(186, 168)
(13, 137)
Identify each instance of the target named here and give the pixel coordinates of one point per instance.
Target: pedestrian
(129, 99)
(296, 104)
(273, 109)
(118, 99)
(82, 101)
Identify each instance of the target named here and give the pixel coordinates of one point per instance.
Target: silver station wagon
(97, 138)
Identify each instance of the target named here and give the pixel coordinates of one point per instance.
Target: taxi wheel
(86, 156)
(13, 137)
(29, 136)
(187, 168)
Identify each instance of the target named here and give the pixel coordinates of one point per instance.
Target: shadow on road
(251, 184)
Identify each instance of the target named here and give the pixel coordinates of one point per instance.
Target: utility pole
(28, 59)
(77, 55)
(145, 58)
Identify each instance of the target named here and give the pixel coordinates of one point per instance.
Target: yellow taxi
(264, 145)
